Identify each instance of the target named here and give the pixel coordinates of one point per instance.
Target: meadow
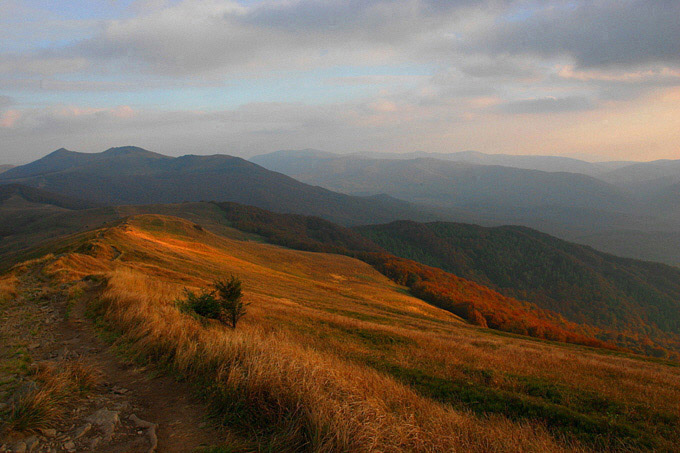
(333, 356)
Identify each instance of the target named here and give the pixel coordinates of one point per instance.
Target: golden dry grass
(8, 287)
(57, 386)
(334, 357)
(323, 402)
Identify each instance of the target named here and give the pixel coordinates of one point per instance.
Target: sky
(593, 79)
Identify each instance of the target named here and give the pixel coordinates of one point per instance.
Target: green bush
(230, 299)
(224, 302)
(203, 304)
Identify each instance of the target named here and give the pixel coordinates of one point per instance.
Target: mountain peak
(119, 151)
(61, 152)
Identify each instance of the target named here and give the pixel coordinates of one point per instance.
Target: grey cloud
(381, 19)
(202, 37)
(40, 63)
(606, 33)
(6, 101)
(546, 105)
(499, 67)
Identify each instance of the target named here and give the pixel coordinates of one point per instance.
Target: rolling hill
(130, 175)
(22, 196)
(580, 283)
(635, 173)
(23, 209)
(333, 356)
(4, 168)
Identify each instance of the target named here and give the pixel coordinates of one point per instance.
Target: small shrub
(230, 298)
(203, 304)
(223, 303)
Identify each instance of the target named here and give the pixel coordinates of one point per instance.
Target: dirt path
(66, 333)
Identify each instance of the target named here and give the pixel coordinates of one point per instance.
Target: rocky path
(131, 410)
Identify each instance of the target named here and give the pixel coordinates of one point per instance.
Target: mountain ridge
(130, 175)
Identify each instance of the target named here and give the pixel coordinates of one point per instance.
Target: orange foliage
(479, 304)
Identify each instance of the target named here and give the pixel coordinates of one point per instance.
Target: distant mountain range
(4, 168)
(542, 163)
(626, 208)
(453, 184)
(629, 209)
(131, 175)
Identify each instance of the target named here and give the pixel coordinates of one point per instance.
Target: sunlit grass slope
(333, 356)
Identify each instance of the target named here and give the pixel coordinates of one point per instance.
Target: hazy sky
(595, 79)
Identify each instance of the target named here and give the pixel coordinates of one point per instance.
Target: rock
(32, 443)
(106, 420)
(104, 417)
(150, 431)
(48, 432)
(70, 446)
(34, 346)
(80, 432)
(94, 442)
(122, 406)
(119, 390)
(19, 447)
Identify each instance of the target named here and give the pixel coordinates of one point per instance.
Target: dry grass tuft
(56, 387)
(36, 409)
(8, 288)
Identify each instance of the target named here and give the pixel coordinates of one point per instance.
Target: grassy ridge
(333, 356)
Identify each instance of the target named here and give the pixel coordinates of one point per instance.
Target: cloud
(212, 37)
(65, 119)
(375, 80)
(604, 33)
(499, 67)
(623, 130)
(40, 63)
(9, 118)
(546, 105)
